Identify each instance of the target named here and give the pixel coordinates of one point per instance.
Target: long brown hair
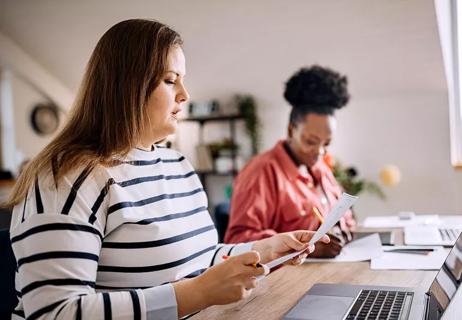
(109, 112)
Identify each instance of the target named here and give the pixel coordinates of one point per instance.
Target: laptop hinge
(427, 305)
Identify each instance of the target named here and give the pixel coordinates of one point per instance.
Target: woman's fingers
(250, 283)
(299, 259)
(305, 236)
(248, 258)
(250, 263)
(325, 238)
(295, 241)
(246, 293)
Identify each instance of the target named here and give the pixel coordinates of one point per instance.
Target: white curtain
(449, 26)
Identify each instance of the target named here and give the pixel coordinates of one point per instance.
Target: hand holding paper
(342, 206)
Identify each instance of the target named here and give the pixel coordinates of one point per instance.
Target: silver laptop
(431, 235)
(348, 302)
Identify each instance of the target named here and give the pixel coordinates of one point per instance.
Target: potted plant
(348, 178)
(247, 107)
(223, 148)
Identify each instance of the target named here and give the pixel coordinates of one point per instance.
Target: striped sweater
(108, 243)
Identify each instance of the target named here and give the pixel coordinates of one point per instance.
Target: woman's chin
(171, 129)
(310, 163)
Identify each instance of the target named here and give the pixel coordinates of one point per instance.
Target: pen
(318, 214)
(412, 251)
(255, 265)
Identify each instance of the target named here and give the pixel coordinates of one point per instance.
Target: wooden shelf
(7, 183)
(222, 117)
(231, 120)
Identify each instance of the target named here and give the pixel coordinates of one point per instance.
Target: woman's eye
(310, 143)
(169, 81)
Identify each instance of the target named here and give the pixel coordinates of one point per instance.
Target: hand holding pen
(229, 281)
(334, 247)
(336, 231)
(255, 264)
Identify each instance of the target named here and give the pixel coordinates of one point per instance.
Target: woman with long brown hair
(107, 224)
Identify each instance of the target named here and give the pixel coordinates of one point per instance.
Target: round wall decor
(45, 118)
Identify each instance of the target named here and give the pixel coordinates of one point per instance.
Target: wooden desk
(278, 292)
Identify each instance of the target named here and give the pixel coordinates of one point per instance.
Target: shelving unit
(231, 119)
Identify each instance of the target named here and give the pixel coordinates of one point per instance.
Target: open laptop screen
(448, 278)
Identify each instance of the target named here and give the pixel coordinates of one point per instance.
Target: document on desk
(358, 250)
(343, 204)
(391, 259)
(396, 222)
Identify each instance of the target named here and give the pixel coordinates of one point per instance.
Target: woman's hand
(224, 283)
(331, 249)
(284, 243)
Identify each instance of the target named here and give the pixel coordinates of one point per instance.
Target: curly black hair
(315, 90)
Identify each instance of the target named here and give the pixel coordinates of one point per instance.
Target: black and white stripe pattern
(89, 247)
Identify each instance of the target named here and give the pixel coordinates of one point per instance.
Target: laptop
(431, 235)
(386, 237)
(348, 302)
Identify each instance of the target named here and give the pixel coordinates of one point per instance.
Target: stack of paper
(409, 261)
(359, 250)
(396, 222)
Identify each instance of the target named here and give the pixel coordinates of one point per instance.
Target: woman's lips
(174, 114)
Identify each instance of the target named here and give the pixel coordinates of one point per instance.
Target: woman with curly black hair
(282, 189)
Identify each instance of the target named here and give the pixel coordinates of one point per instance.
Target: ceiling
(388, 44)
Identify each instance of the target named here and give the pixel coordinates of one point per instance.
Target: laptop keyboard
(381, 304)
(448, 234)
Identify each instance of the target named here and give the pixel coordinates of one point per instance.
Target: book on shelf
(203, 158)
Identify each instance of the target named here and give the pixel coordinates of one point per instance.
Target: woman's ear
(290, 130)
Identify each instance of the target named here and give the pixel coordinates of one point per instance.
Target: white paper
(396, 222)
(408, 261)
(344, 203)
(358, 250)
(451, 220)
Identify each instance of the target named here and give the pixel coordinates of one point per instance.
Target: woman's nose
(183, 96)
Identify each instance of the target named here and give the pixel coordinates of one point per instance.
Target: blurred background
(398, 115)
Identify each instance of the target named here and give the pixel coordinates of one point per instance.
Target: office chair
(8, 299)
(221, 214)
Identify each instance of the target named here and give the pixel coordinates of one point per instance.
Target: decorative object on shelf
(223, 152)
(347, 177)
(247, 107)
(45, 118)
(390, 175)
(224, 148)
(206, 108)
(223, 164)
(204, 160)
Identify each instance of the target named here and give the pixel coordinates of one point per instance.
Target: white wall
(28, 143)
(412, 132)
(390, 52)
(30, 84)
(26, 66)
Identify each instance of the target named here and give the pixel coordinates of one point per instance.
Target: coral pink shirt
(271, 195)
